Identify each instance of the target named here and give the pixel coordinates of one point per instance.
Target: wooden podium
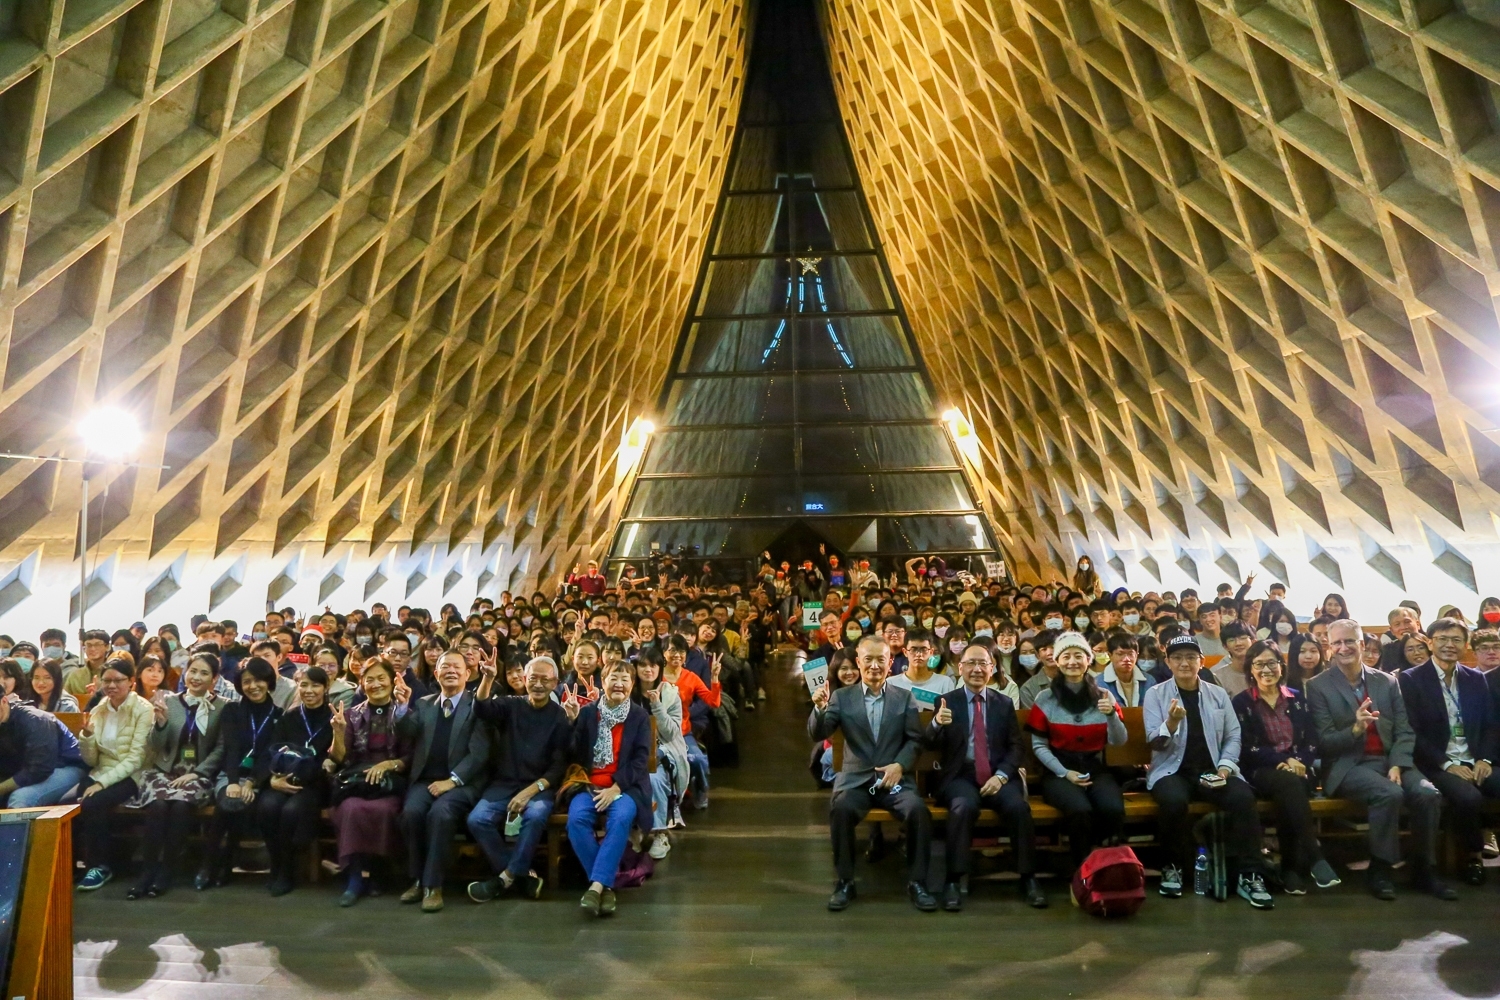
(41, 966)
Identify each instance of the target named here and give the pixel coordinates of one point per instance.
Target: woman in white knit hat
(1071, 722)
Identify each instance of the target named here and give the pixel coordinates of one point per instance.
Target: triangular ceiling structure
(796, 390)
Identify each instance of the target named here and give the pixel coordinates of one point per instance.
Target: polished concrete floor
(737, 910)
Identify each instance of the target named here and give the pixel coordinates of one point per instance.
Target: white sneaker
(660, 846)
(760, 694)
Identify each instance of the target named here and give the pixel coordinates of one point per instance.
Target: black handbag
(351, 784)
(297, 762)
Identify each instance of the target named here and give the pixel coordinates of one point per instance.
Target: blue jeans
(488, 820)
(697, 771)
(600, 860)
(49, 791)
(661, 791)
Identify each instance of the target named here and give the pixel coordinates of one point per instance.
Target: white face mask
(1284, 628)
(1007, 648)
(1132, 619)
(1053, 623)
(1081, 621)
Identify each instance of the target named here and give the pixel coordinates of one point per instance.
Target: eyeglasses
(1265, 666)
(1447, 640)
(1343, 642)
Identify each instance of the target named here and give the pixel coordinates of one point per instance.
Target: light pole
(107, 431)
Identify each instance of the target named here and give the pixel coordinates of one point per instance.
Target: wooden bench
(557, 824)
(1140, 807)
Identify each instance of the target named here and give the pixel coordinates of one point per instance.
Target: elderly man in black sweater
(532, 735)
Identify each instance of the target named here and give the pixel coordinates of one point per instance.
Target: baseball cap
(1182, 642)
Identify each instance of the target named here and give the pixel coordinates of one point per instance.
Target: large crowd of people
(396, 731)
(1241, 699)
(391, 734)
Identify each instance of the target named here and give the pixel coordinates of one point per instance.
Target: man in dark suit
(1458, 739)
(1366, 745)
(975, 730)
(447, 774)
(882, 735)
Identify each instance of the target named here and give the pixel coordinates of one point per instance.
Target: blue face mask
(864, 621)
(26, 664)
(1029, 660)
(983, 632)
(934, 661)
(1145, 665)
(53, 652)
(257, 636)
(909, 619)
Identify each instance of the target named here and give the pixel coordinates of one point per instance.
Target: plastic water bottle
(1200, 873)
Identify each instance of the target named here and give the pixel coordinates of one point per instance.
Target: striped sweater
(1066, 741)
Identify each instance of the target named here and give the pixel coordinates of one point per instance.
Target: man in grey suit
(1366, 745)
(447, 774)
(882, 735)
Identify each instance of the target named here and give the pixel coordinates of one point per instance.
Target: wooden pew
(42, 963)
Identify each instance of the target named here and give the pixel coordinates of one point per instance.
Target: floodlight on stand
(110, 433)
(963, 434)
(633, 444)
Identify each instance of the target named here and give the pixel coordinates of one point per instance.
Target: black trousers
(849, 807)
(1235, 798)
(94, 819)
(167, 826)
(428, 825)
(1465, 802)
(288, 822)
(1295, 828)
(961, 795)
(1092, 816)
(230, 819)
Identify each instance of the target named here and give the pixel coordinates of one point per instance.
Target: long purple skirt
(367, 826)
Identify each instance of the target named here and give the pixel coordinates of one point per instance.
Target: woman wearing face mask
(113, 744)
(372, 752)
(124, 641)
(1085, 580)
(288, 809)
(669, 782)
(1489, 613)
(47, 691)
(169, 635)
(1027, 660)
(13, 679)
(183, 754)
(1007, 642)
(246, 728)
(1071, 722)
(612, 743)
(1279, 625)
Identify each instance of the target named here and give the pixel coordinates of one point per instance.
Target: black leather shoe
(876, 849)
(1031, 891)
(1474, 872)
(1381, 886)
(953, 899)
(1428, 882)
(843, 895)
(920, 897)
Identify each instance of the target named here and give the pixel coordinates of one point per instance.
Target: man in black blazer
(882, 734)
(447, 774)
(980, 768)
(1458, 738)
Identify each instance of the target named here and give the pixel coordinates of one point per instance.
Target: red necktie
(982, 769)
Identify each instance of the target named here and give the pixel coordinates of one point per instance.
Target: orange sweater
(690, 686)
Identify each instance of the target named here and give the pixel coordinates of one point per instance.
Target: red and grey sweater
(1066, 741)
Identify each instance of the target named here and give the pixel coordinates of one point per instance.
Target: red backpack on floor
(1111, 882)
